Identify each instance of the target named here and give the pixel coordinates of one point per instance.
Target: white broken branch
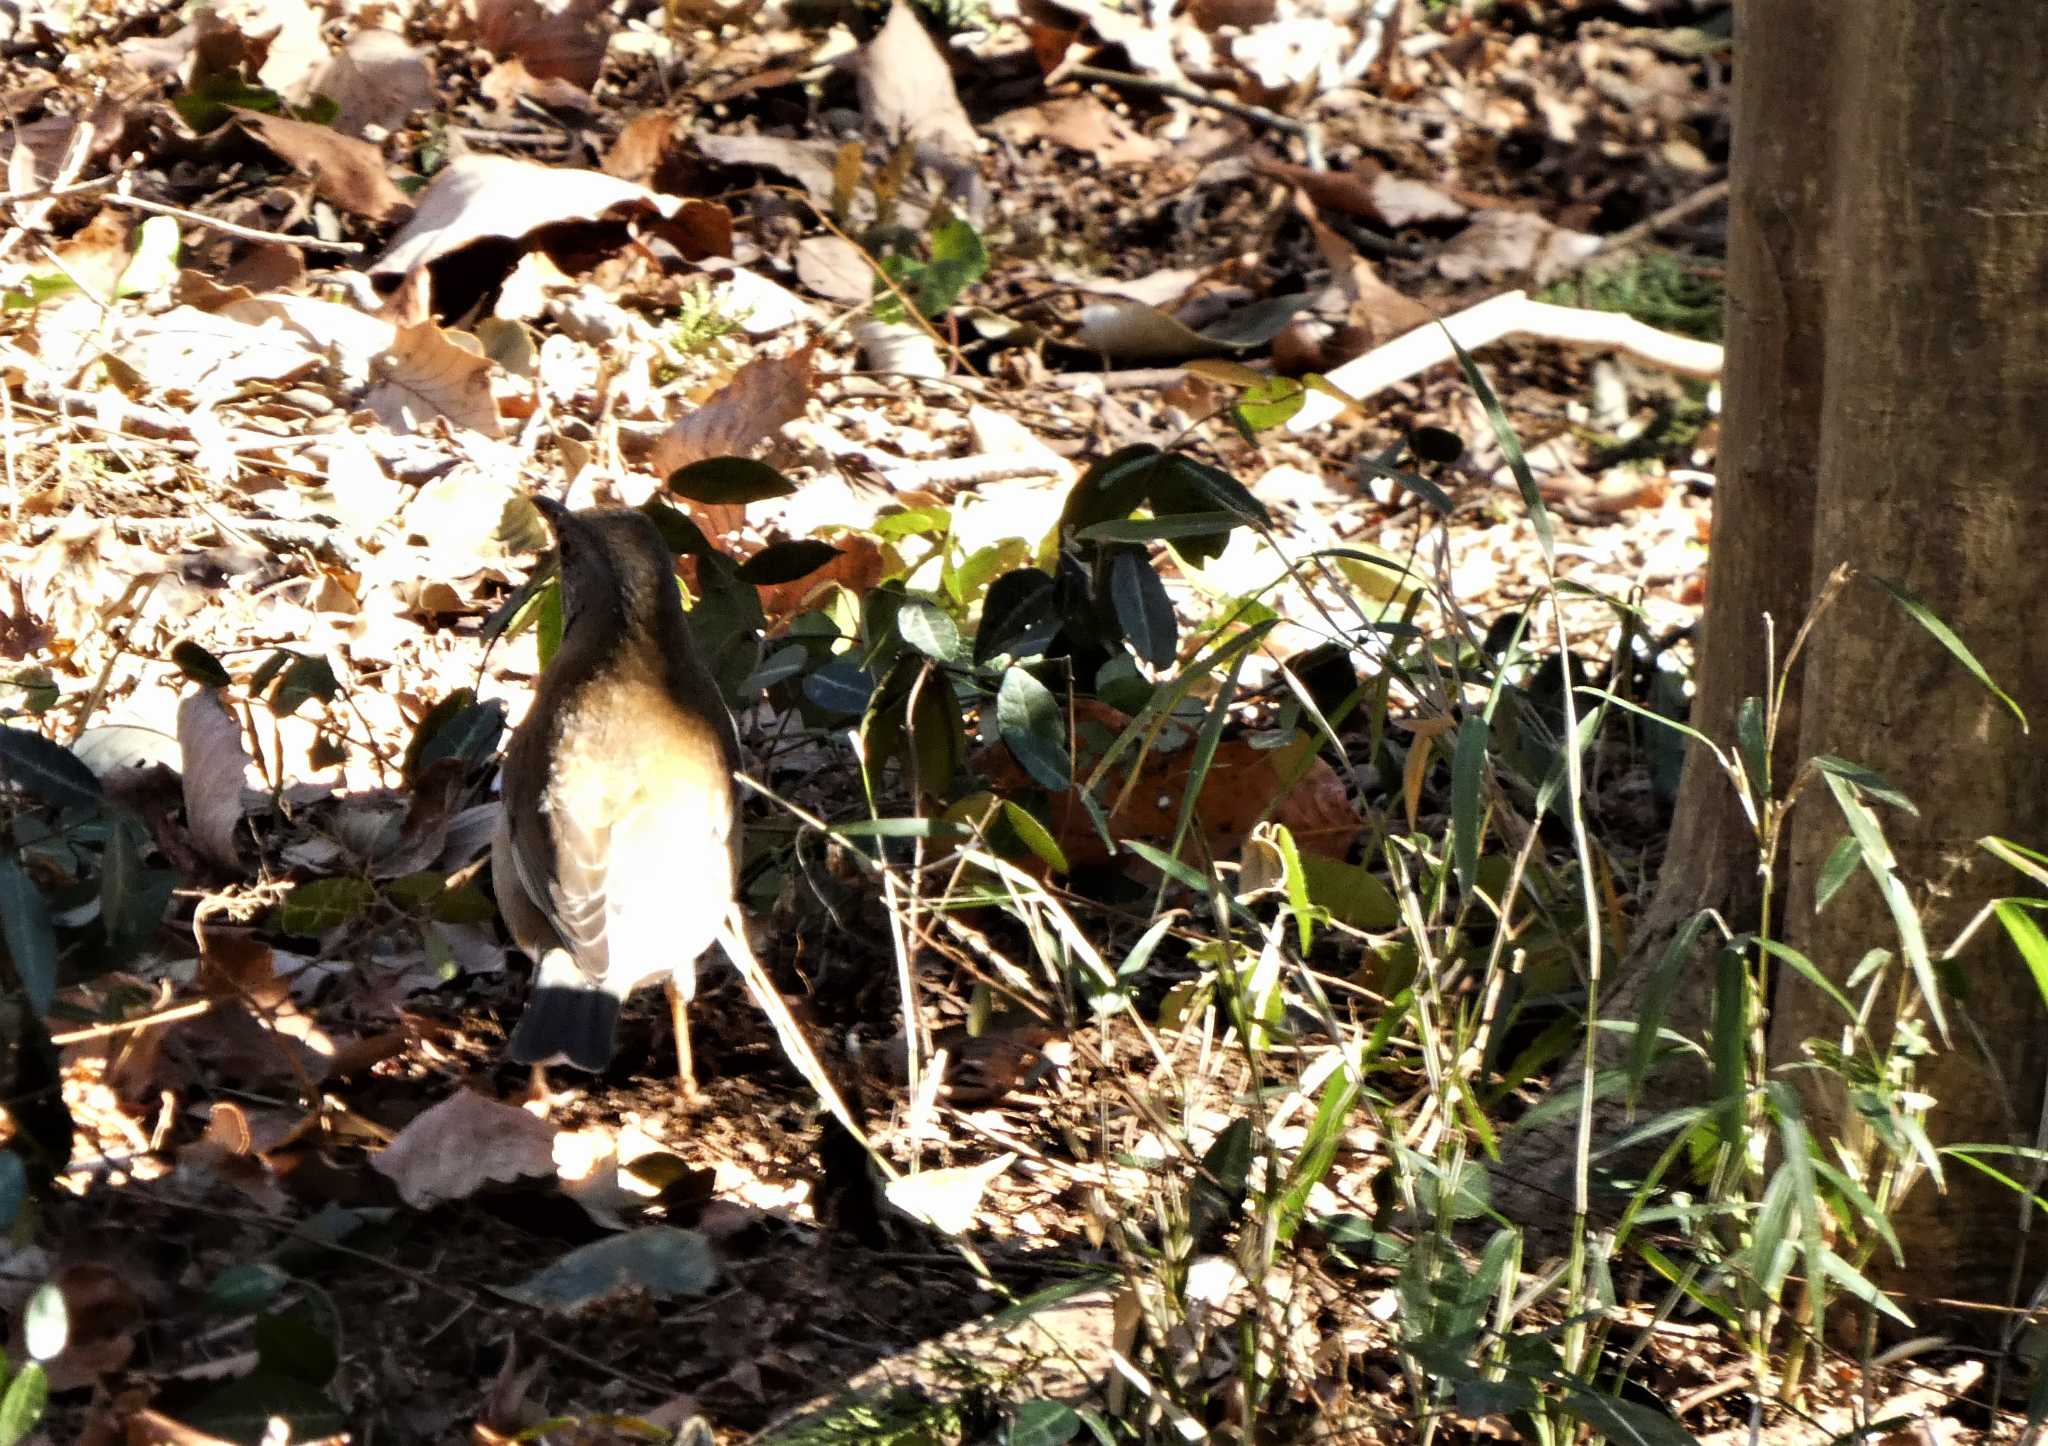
(1509, 314)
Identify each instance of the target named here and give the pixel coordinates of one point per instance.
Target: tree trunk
(1933, 472)
(1762, 563)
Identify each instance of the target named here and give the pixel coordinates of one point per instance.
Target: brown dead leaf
(643, 147)
(460, 1145)
(906, 89)
(510, 82)
(347, 173)
(742, 415)
(1080, 123)
(427, 373)
(808, 163)
(1503, 245)
(377, 79)
(215, 763)
(552, 39)
(1244, 786)
(1370, 194)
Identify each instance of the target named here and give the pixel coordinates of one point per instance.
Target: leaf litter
(404, 295)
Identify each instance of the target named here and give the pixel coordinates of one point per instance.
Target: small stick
(230, 228)
(122, 1026)
(1188, 93)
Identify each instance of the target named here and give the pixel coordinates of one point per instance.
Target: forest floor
(281, 359)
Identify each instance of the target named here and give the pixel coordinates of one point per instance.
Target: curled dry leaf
(460, 1145)
(947, 1199)
(741, 415)
(214, 765)
(1244, 786)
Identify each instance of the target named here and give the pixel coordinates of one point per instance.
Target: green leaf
(781, 562)
(199, 665)
(31, 940)
(48, 770)
(1042, 1423)
(2027, 937)
(1160, 529)
(1879, 863)
(1034, 836)
(1349, 893)
(322, 904)
(22, 1407)
(1468, 773)
(929, 629)
(132, 899)
(1143, 609)
(840, 686)
(469, 731)
(244, 1289)
(661, 1260)
(211, 100)
(679, 533)
(1031, 725)
(1017, 616)
(13, 1188)
(1434, 496)
(1625, 1423)
(1510, 448)
(308, 677)
(1922, 614)
(1836, 871)
(1868, 782)
(1271, 403)
(729, 479)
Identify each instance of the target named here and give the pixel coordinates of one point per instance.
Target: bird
(616, 855)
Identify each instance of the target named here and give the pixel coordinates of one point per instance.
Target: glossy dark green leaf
(1839, 867)
(1143, 609)
(132, 898)
(1171, 528)
(781, 562)
(47, 770)
(200, 666)
(1034, 836)
(682, 536)
(729, 479)
(1113, 487)
(470, 733)
(31, 940)
(1033, 728)
(938, 735)
(841, 686)
(1018, 615)
(929, 629)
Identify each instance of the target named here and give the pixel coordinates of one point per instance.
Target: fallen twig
(229, 228)
(1509, 314)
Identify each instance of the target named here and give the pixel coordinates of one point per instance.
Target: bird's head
(616, 570)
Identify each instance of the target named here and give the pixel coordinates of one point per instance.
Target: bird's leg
(686, 1069)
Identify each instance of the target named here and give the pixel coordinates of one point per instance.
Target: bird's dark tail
(567, 1025)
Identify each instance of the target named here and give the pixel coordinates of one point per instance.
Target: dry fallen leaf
(462, 1144)
(1244, 786)
(347, 173)
(1080, 123)
(377, 79)
(906, 89)
(552, 39)
(743, 414)
(215, 764)
(428, 374)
